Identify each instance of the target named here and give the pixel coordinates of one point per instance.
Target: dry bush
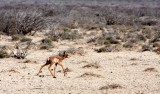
(13, 71)
(46, 43)
(17, 37)
(134, 64)
(134, 59)
(70, 35)
(157, 50)
(111, 87)
(89, 74)
(108, 38)
(150, 70)
(24, 39)
(128, 44)
(92, 65)
(29, 61)
(20, 21)
(79, 51)
(104, 49)
(4, 54)
(66, 70)
(146, 48)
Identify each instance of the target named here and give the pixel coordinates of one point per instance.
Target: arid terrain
(113, 46)
(123, 72)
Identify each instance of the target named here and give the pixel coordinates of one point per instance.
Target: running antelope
(57, 60)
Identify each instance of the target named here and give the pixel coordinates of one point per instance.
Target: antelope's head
(65, 55)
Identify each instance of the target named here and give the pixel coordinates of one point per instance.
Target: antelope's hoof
(54, 77)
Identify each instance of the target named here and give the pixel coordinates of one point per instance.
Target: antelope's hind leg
(40, 70)
(62, 69)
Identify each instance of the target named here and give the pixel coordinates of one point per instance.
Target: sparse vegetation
(70, 35)
(78, 50)
(89, 74)
(112, 86)
(24, 39)
(92, 65)
(4, 54)
(104, 49)
(46, 43)
(150, 70)
(29, 61)
(17, 37)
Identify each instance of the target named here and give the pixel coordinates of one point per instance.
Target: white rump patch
(56, 60)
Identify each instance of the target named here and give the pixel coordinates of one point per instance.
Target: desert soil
(125, 72)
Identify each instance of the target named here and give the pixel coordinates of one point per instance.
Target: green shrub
(24, 39)
(146, 48)
(46, 43)
(53, 37)
(103, 49)
(4, 54)
(17, 37)
(108, 38)
(70, 35)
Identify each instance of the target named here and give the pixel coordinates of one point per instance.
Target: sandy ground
(132, 72)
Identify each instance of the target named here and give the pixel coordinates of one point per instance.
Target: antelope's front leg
(62, 69)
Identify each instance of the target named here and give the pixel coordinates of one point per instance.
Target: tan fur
(57, 60)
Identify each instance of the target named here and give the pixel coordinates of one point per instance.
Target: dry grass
(157, 50)
(89, 74)
(92, 65)
(66, 70)
(29, 61)
(13, 71)
(133, 59)
(150, 70)
(113, 86)
(134, 64)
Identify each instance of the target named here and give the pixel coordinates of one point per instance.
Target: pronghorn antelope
(57, 60)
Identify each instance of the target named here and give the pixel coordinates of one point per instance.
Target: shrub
(78, 50)
(150, 70)
(89, 74)
(4, 54)
(46, 43)
(53, 37)
(149, 22)
(70, 35)
(92, 65)
(17, 37)
(146, 48)
(24, 39)
(104, 49)
(128, 45)
(108, 38)
(112, 86)
(20, 21)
